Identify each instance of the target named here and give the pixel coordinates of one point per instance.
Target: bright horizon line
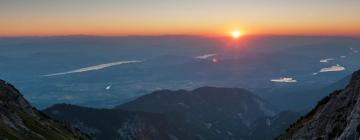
(159, 17)
(175, 34)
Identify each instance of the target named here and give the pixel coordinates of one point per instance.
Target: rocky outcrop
(337, 116)
(20, 121)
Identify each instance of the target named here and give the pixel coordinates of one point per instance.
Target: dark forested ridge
(210, 113)
(20, 121)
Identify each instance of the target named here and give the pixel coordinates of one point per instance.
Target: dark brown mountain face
(20, 121)
(337, 116)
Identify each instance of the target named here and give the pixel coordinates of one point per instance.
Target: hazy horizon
(170, 35)
(209, 18)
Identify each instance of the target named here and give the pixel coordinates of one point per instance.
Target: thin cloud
(108, 87)
(284, 80)
(353, 50)
(326, 60)
(206, 56)
(333, 69)
(92, 68)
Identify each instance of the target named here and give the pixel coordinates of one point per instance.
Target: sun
(236, 34)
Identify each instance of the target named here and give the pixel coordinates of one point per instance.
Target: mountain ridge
(334, 117)
(227, 124)
(212, 112)
(20, 121)
(109, 124)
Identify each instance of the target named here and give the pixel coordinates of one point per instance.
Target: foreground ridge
(336, 116)
(20, 121)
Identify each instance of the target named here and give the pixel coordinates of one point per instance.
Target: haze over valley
(180, 70)
(104, 72)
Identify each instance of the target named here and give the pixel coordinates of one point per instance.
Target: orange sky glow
(160, 17)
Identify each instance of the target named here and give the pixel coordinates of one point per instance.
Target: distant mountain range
(20, 121)
(208, 113)
(113, 124)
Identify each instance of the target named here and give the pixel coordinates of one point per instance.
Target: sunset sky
(157, 17)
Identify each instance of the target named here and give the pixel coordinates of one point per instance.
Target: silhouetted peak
(355, 79)
(10, 96)
(20, 120)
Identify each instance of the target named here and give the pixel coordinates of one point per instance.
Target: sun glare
(236, 34)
